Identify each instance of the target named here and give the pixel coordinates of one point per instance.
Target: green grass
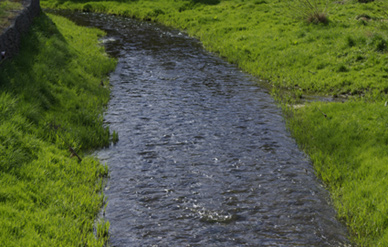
(349, 150)
(51, 99)
(346, 56)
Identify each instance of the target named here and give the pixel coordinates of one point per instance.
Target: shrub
(311, 11)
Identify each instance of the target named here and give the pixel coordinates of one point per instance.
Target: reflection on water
(204, 158)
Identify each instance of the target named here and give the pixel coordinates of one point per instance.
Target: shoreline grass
(348, 148)
(345, 56)
(51, 100)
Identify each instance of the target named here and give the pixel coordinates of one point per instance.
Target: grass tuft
(312, 11)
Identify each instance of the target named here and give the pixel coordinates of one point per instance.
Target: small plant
(311, 11)
(102, 230)
(115, 137)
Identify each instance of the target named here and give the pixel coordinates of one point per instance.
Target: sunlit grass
(349, 149)
(51, 99)
(345, 56)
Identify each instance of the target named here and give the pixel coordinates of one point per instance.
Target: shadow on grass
(26, 92)
(27, 73)
(207, 2)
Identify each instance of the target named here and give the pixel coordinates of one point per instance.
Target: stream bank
(51, 100)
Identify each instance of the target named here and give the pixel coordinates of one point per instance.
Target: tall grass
(50, 100)
(311, 11)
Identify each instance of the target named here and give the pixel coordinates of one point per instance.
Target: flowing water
(204, 158)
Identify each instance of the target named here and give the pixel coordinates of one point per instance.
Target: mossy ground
(51, 99)
(345, 56)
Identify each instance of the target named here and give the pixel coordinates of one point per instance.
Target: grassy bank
(51, 100)
(343, 55)
(349, 149)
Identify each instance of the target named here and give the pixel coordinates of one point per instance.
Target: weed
(115, 137)
(103, 230)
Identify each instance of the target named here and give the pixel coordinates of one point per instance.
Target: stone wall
(11, 37)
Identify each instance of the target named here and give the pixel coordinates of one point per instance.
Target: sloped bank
(10, 39)
(52, 96)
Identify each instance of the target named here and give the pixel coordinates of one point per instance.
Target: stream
(204, 157)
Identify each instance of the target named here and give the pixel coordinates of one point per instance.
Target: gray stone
(11, 37)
